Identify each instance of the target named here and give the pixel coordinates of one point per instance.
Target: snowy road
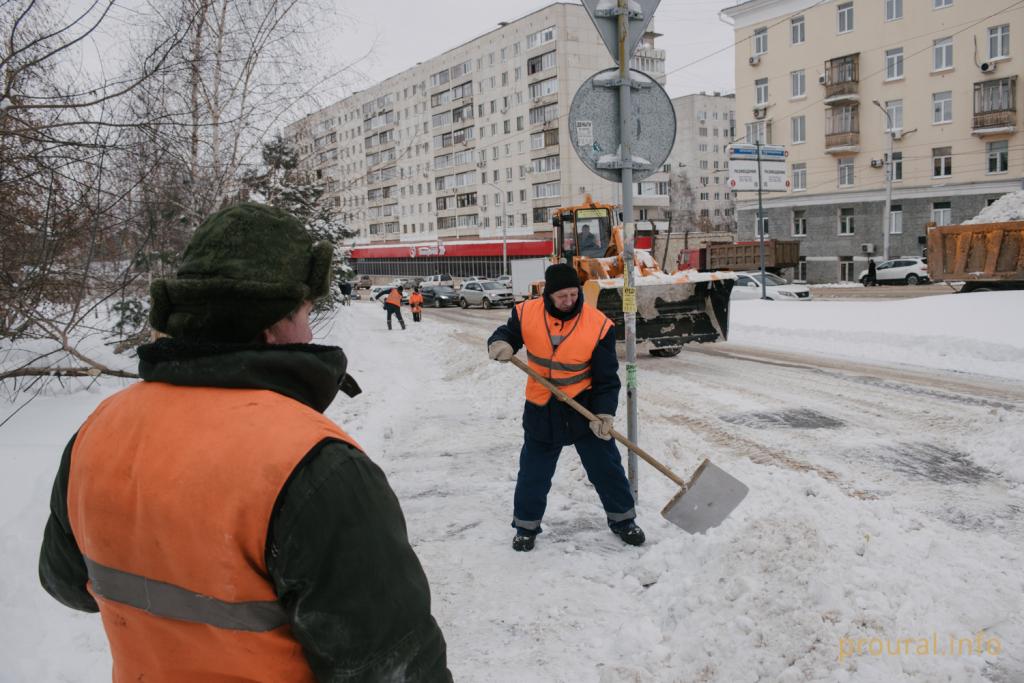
(886, 503)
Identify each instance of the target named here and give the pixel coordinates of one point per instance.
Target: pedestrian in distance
(416, 304)
(221, 525)
(871, 280)
(393, 305)
(573, 345)
(346, 292)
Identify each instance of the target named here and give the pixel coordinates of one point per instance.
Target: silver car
(487, 294)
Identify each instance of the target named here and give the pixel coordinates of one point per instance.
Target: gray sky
(403, 32)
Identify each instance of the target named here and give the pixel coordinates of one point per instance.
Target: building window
(896, 219)
(845, 172)
(801, 270)
(759, 131)
(844, 13)
(846, 226)
(942, 107)
(797, 33)
(940, 4)
(761, 91)
(762, 227)
(799, 223)
(894, 120)
(539, 38)
(799, 177)
(799, 130)
(893, 10)
(760, 41)
(999, 42)
(942, 54)
(798, 82)
(998, 156)
(846, 269)
(942, 162)
(894, 64)
(897, 166)
(942, 213)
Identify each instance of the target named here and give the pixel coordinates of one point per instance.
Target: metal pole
(760, 219)
(886, 218)
(629, 276)
(504, 249)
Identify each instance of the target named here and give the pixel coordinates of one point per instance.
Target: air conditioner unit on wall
(867, 248)
(987, 67)
(755, 60)
(822, 79)
(759, 112)
(877, 163)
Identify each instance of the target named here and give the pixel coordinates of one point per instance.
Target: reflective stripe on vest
(170, 498)
(561, 355)
(394, 298)
(173, 602)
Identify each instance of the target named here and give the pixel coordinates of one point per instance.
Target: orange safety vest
(394, 298)
(170, 497)
(416, 302)
(559, 350)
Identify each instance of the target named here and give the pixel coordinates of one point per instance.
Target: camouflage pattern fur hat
(246, 267)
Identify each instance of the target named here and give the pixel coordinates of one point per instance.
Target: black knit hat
(246, 267)
(560, 276)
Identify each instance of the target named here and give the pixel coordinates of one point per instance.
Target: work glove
(500, 351)
(602, 426)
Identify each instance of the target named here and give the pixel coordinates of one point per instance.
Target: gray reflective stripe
(169, 601)
(566, 381)
(547, 363)
(523, 524)
(556, 339)
(621, 516)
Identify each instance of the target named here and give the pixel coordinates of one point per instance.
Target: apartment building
(472, 144)
(841, 82)
(699, 196)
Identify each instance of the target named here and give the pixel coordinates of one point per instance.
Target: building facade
(922, 92)
(472, 144)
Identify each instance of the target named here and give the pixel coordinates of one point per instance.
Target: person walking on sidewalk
(393, 305)
(573, 345)
(416, 304)
(872, 277)
(221, 525)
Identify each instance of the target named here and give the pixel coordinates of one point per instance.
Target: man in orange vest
(573, 345)
(223, 527)
(416, 304)
(393, 305)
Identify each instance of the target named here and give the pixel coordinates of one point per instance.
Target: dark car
(439, 296)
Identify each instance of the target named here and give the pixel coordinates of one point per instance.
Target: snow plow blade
(672, 310)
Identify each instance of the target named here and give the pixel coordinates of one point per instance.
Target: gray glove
(500, 351)
(602, 426)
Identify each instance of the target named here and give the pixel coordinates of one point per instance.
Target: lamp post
(886, 218)
(504, 231)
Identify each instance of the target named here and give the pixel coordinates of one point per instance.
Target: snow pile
(1009, 207)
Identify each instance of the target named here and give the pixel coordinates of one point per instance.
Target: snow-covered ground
(881, 441)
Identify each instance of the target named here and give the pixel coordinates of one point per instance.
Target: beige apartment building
(840, 82)
(472, 144)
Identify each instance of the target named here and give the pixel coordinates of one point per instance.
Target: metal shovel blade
(710, 496)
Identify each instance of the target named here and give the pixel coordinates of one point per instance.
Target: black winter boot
(523, 542)
(630, 533)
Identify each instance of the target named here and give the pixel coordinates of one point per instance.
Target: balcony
(995, 107)
(842, 129)
(842, 79)
(842, 143)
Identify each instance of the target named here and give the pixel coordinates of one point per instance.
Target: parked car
(487, 294)
(474, 278)
(362, 282)
(910, 270)
(748, 286)
(504, 279)
(439, 296)
(439, 280)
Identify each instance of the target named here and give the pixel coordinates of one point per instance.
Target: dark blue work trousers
(603, 464)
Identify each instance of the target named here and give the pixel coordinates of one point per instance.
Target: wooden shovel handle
(562, 396)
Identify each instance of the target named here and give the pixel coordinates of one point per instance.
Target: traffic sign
(594, 125)
(605, 15)
(768, 152)
(743, 176)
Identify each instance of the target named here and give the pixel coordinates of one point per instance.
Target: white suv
(911, 270)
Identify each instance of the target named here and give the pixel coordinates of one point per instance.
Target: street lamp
(504, 231)
(886, 218)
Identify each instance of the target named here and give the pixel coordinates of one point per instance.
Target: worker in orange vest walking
(393, 305)
(222, 526)
(416, 304)
(573, 345)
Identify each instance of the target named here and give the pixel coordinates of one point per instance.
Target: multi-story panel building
(698, 183)
(472, 143)
(841, 82)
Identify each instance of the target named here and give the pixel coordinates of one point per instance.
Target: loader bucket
(672, 310)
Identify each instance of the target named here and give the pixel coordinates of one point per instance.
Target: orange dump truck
(985, 256)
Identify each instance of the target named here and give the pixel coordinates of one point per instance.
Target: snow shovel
(705, 502)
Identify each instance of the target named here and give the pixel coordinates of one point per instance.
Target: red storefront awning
(422, 250)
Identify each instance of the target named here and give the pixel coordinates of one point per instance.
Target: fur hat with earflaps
(246, 267)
